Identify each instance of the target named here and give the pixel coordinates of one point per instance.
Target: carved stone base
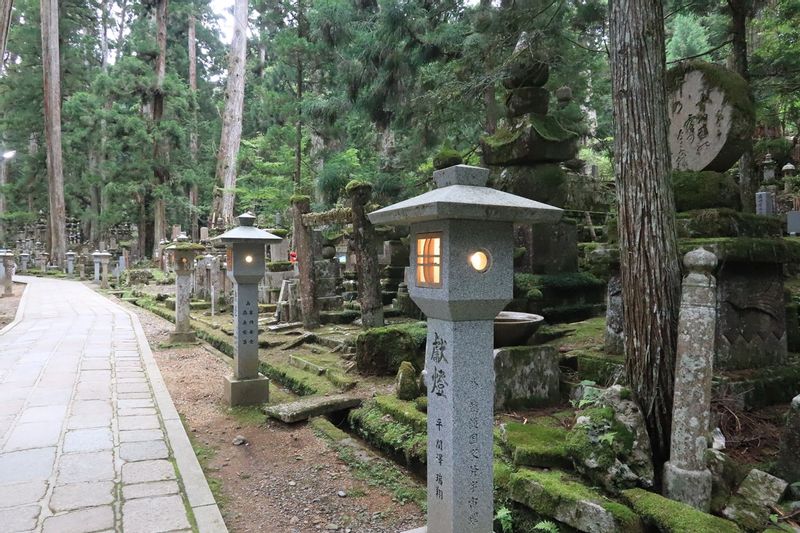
(252, 391)
(692, 487)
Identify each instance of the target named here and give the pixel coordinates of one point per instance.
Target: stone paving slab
(89, 437)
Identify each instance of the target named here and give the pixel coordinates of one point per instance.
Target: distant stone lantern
(23, 258)
(183, 253)
(70, 262)
(7, 259)
(461, 277)
(768, 168)
(788, 170)
(245, 264)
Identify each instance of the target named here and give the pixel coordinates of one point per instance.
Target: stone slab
(315, 406)
(246, 391)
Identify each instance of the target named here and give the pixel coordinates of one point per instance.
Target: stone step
(314, 406)
(308, 366)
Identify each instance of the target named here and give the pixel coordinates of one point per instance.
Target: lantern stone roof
(463, 195)
(247, 232)
(788, 166)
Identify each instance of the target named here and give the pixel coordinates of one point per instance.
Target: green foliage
(546, 526)
(703, 190)
(506, 519)
(688, 37)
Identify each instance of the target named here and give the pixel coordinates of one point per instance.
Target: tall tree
(160, 149)
(231, 120)
(52, 125)
(648, 242)
(193, 189)
(5, 24)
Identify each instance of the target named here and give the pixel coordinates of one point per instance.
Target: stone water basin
(514, 329)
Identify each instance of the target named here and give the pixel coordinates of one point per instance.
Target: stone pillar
(8, 268)
(96, 260)
(303, 240)
(70, 262)
(104, 258)
(367, 267)
(24, 257)
(460, 381)
(789, 458)
(81, 266)
(686, 477)
(183, 253)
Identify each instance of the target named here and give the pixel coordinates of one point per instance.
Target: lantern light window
(429, 260)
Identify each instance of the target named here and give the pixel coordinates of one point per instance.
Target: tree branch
(726, 43)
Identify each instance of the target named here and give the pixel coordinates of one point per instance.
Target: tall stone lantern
(246, 266)
(7, 258)
(23, 258)
(96, 262)
(183, 253)
(461, 276)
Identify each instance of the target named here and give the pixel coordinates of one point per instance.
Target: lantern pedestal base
(182, 337)
(251, 391)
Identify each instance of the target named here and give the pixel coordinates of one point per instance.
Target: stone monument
(711, 116)
(23, 258)
(246, 268)
(461, 276)
(8, 272)
(70, 262)
(686, 477)
(183, 254)
(96, 261)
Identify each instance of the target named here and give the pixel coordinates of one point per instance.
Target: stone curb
(204, 507)
(20, 307)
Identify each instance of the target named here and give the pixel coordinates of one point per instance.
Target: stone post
(104, 259)
(43, 261)
(24, 257)
(8, 268)
(367, 267)
(183, 254)
(81, 266)
(304, 246)
(789, 458)
(70, 262)
(686, 477)
(96, 260)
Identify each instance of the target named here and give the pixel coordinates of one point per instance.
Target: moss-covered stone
(674, 517)
(390, 435)
(280, 266)
(705, 223)
(747, 250)
(543, 182)
(703, 190)
(447, 158)
(537, 443)
(379, 351)
(407, 382)
(554, 494)
(403, 411)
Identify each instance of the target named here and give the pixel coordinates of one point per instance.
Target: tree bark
(193, 146)
(305, 263)
(225, 199)
(648, 242)
(367, 267)
(160, 171)
(5, 25)
(299, 75)
(52, 128)
(748, 176)
(3, 182)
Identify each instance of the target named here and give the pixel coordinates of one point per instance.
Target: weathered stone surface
(310, 407)
(686, 477)
(619, 461)
(666, 515)
(535, 139)
(549, 248)
(379, 351)
(407, 382)
(711, 116)
(553, 494)
(526, 376)
(789, 459)
(528, 100)
(614, 338)
(726, 476)
(749, 507)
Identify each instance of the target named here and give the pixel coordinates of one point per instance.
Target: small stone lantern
(461, 277)
(96, 259)
(246, 268)
(70, 262)
(183, 253)
(768, 168)
(788, 170)
(7, 258)
(23, 258)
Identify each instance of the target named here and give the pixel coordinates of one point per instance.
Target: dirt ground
(286, 478)
(8, 305)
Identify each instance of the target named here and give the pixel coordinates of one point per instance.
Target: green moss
(391, 436)
(447, 158)
(501, 137)
(674, 517)
(280, 266)
(297, 380)
(407, 382)
(381, 350)
(703, 190)
(537, 443)
(727, 223)
(279, 232)
(550, 129)
(353, 185)
(745, 249)
(421, 404)
(502, 475)
(546, 491)
(299, 199)
(402, 411)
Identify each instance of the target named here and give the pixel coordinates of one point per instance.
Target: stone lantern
(7, 259)
(96, 259)
(70, 262)
(461, 277)
(24, 257)
(245, 264)
(788, 170)
(101, 260)
(768, 168)
(183, 253)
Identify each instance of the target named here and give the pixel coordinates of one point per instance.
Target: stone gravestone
(793, 222)
(711, 116)
(8, 272)
(765, 203)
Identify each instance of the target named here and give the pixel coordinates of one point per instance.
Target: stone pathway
(89, 437)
